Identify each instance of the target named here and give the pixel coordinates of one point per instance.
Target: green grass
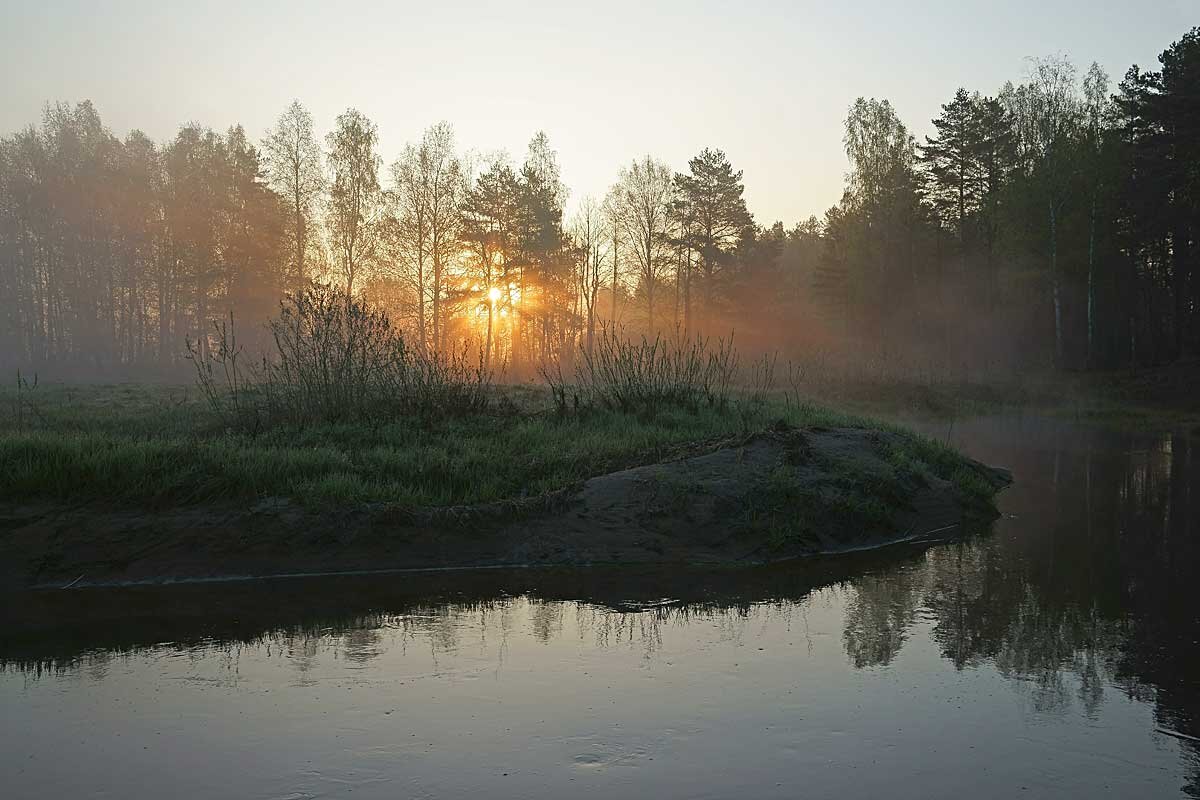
(788, 509)
(159, 446)
(853, 495)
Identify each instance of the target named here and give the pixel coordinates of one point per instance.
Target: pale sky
(767, 82)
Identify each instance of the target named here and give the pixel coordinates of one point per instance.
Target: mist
(509, 426)
(1036, 228)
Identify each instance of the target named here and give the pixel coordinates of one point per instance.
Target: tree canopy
(1053, 221)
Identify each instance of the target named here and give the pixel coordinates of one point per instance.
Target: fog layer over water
(1054, 657)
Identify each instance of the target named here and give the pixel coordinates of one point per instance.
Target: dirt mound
(779, 494)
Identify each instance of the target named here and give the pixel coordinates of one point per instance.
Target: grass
(161, 446)
(918, 457)
(642, 374)
(853, 495)
(788, 509)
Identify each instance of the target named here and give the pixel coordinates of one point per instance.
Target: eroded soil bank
(780, 494)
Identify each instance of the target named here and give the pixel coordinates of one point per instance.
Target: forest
(1050, 223)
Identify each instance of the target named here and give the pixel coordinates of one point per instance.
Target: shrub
(335, 359)
(643, 375)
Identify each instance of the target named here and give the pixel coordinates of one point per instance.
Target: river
(1056, 656)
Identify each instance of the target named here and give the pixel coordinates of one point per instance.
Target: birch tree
(1097, 117)
(644, 193)
(293, 162)
(1046, 114)
(355, 200)
(589, 233)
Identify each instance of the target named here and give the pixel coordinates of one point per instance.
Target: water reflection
(1084, 590)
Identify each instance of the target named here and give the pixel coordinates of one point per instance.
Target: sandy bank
(777, 495)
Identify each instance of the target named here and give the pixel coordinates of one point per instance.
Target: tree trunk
(678, 277)
(1091, 287)
(164, 322)
(300, 236)
(591, 325)
(422, 341)
(1056, 288)
(707, 319)
(1179, 286)
(614, 285)
(687, 294)
(487, 347)
(649, 310)
(437, 303)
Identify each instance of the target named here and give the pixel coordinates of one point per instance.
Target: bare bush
(220, 374)
(335, 359)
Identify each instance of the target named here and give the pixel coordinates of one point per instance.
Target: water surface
(1057, 656)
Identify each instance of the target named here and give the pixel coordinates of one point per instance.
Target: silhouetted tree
(966, 165)
(293, 162)
(644, 193)
(590, 236)
(488, 229)
(544, 271)
(882, 194)
(1161, 123)
(429, 183)
(1047, 113)
(1049, 224)
(355, 201)
(714, 216)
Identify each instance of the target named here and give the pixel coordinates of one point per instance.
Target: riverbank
(109, 485)
(1091, 559)
(1160, 397)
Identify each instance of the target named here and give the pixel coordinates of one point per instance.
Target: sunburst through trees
(1049, 222)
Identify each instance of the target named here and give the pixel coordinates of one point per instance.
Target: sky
(767, 82)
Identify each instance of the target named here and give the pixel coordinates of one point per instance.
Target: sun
(494, 294)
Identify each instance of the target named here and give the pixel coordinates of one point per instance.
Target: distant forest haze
(1050, 222)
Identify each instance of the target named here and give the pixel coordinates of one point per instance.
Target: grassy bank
(344, 411)
(164, 446)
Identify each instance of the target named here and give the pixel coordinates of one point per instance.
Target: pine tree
(711, 204)
(951, 163)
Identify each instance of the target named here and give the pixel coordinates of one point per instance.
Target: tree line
(1051, 222)
(1054, 215)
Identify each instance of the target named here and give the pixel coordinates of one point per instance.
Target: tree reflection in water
(1087, 586)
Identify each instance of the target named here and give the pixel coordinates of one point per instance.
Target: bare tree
(591, 238)
(429, 183)
(409, 227)
(644, 194)
(612, 218)
(355, 201)
(293, 162)
(445, 181)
